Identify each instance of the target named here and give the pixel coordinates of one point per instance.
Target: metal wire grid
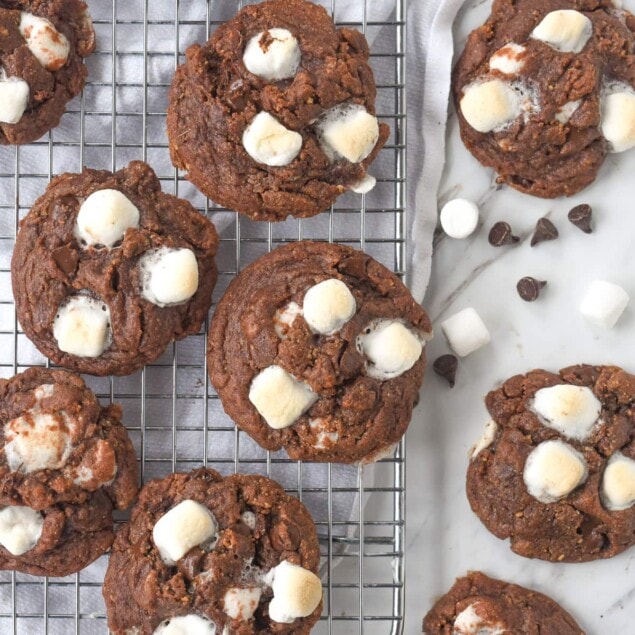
(170, 409)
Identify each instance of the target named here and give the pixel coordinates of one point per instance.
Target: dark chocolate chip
(66, 259)
(581, 216)
(545, 230)
(501, 234)
(529, 288)
(446, 366)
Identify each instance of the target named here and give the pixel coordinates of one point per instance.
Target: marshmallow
(104, 217)
(279, 397)
(565, 30)
(284, 318)
(618, 120)
(273, 55)
(487, 438)
(186, 625)
(469, 622)
(508, 59)
(604, 303)
(14, 98)
(20, 529)
(325, 440)
(566, 111)
(459, 218)
(169, 276)
(490, 105)
(183, 527)
(50, 47)
(391, 348)
(297, 592)
(82, 326)
(328, 305)
(267, 141)
(249, 518)
(348, 131)
(618, 483)
(465, 332)
(553, 470)
(571, 410)
(241, 603)
(365, 185)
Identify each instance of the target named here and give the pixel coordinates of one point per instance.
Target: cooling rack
(174, 416)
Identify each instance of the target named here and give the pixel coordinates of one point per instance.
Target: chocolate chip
(446, 366)
(66, 259)
(545, 230)
(501, 234)
(529, 288)
(580, 216)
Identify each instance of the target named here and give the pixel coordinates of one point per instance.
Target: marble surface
(444, 538)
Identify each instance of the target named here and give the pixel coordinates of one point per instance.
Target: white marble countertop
(444, 538)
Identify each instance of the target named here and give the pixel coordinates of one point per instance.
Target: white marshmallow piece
(284, 318)
(104, 217)
(571, 410)
(490, 105)
(566, 111)
(241, 603)
(553, 470)
(487, 438)
(20, 529)
(469, 622)
(618, 120)
(14, 98)
(508, 59)
(267, 141)
(466, 332)
(328, 305)
(50, 47)
(604, 303)
(459, 218)
(297, 592)
(82, 326)
(348, 131)
(618, 483)
(279, 397)
(183, 527)
(391, 348)
(565, 30)
(249, 518)
(364, 186)
(169, 276)
(186, 625)
(273, 55)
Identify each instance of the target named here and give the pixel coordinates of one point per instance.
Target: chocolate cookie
(43, 44)
(555, 469)
(65, 464)
(545, 88)
(108, 270)
(319, 349)
(212, 554)
(275, 114)
(478, 604)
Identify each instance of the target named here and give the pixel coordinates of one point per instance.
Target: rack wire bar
(173, 415)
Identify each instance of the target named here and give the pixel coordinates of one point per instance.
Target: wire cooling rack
(174, 417)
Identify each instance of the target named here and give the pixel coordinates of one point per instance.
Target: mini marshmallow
(618, 483)
(279, 397)
(508, 59)
(490, 105)
(487, 438)
(249, 518)
(14, 98)
(267, 141)
(183, 527)
(328, 305)
(186, 625)
(82, 326)
(325, 439)
(459, 218)
(273, 55)
(571, 410)
(297, 592)
(50, 47)
(348, 131)
(465, 332)
(285, 317)
(553, 470)
(618, 120)
(169, 276)
(104, 217)
(241, 603)
(20, 529)
(469, 622)
(604, 303)
(566, 111)
(365, 185)
(564, 30)
(391, 348)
